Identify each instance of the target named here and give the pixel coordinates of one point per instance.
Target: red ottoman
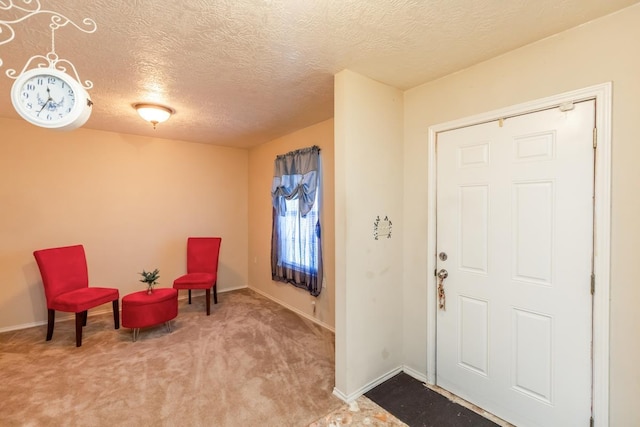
(140, 309)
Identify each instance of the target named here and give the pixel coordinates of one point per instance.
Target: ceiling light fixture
(154, 113)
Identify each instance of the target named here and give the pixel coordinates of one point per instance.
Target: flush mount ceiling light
(154, 113)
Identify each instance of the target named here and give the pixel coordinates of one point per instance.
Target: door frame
(602, 230)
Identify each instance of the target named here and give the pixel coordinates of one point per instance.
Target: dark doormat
(416, 405)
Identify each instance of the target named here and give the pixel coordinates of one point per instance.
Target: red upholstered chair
(202, 267)
(66, 287)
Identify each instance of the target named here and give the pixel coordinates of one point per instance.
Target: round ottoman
(140, 309)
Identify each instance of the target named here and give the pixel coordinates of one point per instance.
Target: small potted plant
(150, 278)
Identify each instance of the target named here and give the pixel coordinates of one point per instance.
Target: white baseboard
(340, 395)
(415, 374)
(221, 291)
(295, 310)
(373, 384)
(348, 398)
(65, 317)
(201, 292)
(22, 326)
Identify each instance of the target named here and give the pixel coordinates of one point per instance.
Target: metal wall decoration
(382, 228)
(28, 8)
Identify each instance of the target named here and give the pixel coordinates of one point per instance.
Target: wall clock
(51, 98)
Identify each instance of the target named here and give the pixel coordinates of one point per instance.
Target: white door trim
(602, 229)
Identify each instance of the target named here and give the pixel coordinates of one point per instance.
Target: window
(296, 255)
(299, 237)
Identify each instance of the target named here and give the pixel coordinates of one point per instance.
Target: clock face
(47, 98)
(50, 98)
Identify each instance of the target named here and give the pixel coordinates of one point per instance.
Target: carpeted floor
(251, 363)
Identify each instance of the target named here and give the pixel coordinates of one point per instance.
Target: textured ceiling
(243, 72)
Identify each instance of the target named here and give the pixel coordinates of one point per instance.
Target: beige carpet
(251, 363)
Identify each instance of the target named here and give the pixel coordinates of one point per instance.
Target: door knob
(443, 274)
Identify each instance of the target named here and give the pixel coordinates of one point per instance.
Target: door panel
(474, 220)
(515, 216)
(474, 337)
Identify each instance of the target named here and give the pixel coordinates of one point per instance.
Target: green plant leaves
(150, 277)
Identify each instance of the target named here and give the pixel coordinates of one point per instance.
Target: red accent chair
(202, 267)
(66, 287)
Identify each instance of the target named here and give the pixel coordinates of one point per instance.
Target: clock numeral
(29, 105)
(51, 80)
(49, 117)
(31, 87)
(40, 81)
(25, 95)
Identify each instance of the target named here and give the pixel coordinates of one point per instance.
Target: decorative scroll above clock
(26, 9)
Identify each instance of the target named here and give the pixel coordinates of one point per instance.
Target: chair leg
(208, 298)
(80, 318)
(116, 314)
(215, 293)
(51, 317)
(189, 296)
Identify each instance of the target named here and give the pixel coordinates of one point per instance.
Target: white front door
(515, 220)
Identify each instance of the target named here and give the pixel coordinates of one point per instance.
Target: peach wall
(594, 53)
(368, 158)
(261, 174)
(131, 201)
